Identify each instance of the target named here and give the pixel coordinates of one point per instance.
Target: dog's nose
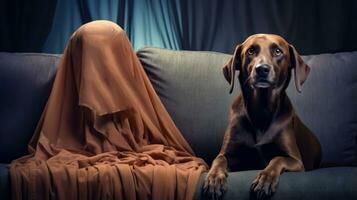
(262, 70)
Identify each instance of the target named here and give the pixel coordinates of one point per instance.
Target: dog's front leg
(215, 183)
(266, 182)
(216, 179)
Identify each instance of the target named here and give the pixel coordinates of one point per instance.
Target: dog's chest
(258, 136)
(252, 136)
(245, 157)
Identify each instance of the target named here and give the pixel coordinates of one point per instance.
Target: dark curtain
(71, 14)
(152, 22)
(147, 22)
(315, 26)
(25, 24)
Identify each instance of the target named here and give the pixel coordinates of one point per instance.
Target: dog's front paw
(265, 184)
(215, 184)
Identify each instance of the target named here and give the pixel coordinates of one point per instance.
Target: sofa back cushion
(328, 104)
(195, 93)
(25, 84)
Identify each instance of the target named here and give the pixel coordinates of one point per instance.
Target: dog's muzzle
(262, 72)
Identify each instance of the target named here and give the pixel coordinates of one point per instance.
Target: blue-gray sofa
(194, 91)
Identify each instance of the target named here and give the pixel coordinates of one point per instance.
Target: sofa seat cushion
(324, 183)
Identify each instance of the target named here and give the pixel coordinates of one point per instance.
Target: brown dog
(263, 132)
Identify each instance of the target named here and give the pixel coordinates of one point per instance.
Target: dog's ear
(301, 70)
(229, 70)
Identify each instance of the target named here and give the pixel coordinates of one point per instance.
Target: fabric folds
(104, 133)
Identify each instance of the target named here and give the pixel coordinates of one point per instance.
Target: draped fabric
(104, 133)
(316, 26)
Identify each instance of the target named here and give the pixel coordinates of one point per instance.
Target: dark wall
(315, 26)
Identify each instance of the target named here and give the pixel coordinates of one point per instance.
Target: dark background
(315, 26)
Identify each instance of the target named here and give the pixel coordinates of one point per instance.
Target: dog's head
(264, 61)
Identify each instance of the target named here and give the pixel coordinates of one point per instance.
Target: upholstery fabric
(193, 81)
(195, 93)
(25, 83)
(327, 105)
(327, 183)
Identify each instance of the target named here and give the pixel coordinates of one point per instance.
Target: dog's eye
(251, 51)
(278, 52)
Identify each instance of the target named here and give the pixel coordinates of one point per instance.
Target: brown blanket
(104, 133)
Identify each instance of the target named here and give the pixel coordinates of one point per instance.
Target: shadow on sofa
(195, 93)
